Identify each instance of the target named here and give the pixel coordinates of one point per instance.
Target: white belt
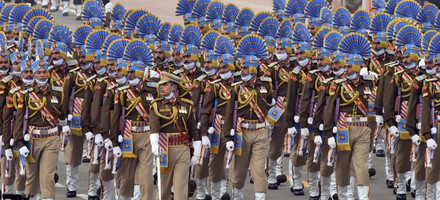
(253, 125)
(356, 119)
(140, 129)
(45, 132)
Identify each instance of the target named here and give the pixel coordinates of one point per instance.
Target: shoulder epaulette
(72, 62)
(101, 79)
(200, 78)
(91, 78)
(57, 88)
(236, 83)
(26, 91)
(123, 87)
(113, 86)
(398, 72)
(74, 69)
(421, 77)
(12, 91)
(314, 71)
(214, 81)
(273, 64)
(152, 84)
(430, 79)
(237, 73)
(368, 77)
(50, 67)
(7, 78)
(327, 80)
(176, 72)
(266, 79)
(296, 70)
(187, 101)
(340, 80)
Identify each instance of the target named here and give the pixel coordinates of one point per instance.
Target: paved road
(165, 10)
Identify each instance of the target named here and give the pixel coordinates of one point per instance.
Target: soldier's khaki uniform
(176, 124)
(77, 102)
(251, 136)
(131, 118)
(430, 106)
(43, 129)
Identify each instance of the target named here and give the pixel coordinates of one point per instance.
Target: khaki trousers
(277, 139)
(202, 171)
(325, 170)
(177, 173)
(104, 174)
(217, 163)
(359, 138)
(40, 174)
(142, 166)
(419, 165)
(433, 173)
(254, 154)
(74, 150)
(15, 178)
(402, 154)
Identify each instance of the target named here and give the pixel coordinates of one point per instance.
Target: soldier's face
(406, 59)
(131, 75)
(349, 69)
(312, 30)
(223, 69)
(320, 61)
(300, 55)
(437, 66)
(16, 65)
(335, 65)
(111, 67)
(119, 73)
(177, 57)
(165, 89)
(376, 46)
(27, 73)
(208, 64)
(9, 34)
(245, 71)
(56, 55)
(398, 55)
(97, 64)
(41, 74)
(159, 56)
(429, 64)
(4, 63)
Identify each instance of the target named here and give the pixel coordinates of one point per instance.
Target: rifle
(108, 159)
(199, 111)
(117, 160)
(303, 142)
(430, 153)
(414, 147)
(394, 139)
(234, 126)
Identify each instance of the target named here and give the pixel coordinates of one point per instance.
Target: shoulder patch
(123, 87)
(236, 83)
(152, 84)
(101, 79)
(314, 71)
(57, 88)
(421, 77)
(327, 80)
(368, 77)
(340, 80)
(214, 81)
(91, 78)
(200, 78)
(178, 71)
(7, 78)
(74, 69)
(266, 79)
(113, 86)
(430, 79)
(273, 64)
(187, 101)
(398, 72)
(296, 70)
(237, 73)
(72, 62)
(12, 91)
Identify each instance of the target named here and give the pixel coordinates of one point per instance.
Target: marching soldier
(254, 97)
(38, 115)
(131, 106)
(173, 127)
(346, 117)
(213, 113)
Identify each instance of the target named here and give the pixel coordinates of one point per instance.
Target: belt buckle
(44, 132)
(252, 125)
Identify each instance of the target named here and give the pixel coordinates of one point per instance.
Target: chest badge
(183, 110)
(263, 90)
(54, 99)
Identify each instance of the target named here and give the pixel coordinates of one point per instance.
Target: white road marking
(82, 196)
(58, 185)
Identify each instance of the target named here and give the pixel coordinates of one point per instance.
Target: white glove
(66, 130)
(108, 144)
(62, 122)
(108, 7)
(364, 71)
(198, 125)
(305, 132)
(9, 155)
(292, 131)
(398, 118)
(230, 146)
(419, 125)
(335, 129)
(422, 63)
(98, 140)
(416, 139)
(272, 103)
(69, 117)
(89, 136)
(197, 145)
(296, 119)
(12, 141)
(431, 144)
(318, 140)
(117, 152)
(26, 138)
(310, 121)
(1, 140)
(331, 142)
(232, 132)
(24, 151)
(154, 140)
(394, 131)
(120, 138)
(211, 130)
(379, 120)
(206, 142)
(154, 74)
(433, 130)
